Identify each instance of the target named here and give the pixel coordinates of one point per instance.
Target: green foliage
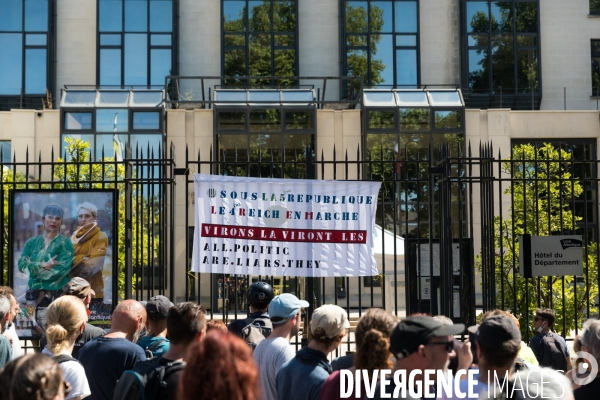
(14, 180)
(542, 194)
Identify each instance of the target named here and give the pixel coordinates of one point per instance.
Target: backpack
(520, 366)
(144, 381)
(64, 358)
(552, 354)
(256, 330)
(149, 350)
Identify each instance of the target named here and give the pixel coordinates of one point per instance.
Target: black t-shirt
(589, 391)
(171, 379)
(104, 360)
(90, 332)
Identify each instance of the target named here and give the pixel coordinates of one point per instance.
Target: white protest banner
(284, 227)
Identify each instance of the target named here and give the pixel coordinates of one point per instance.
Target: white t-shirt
(270, 355)
(75, 375)
(11, 333)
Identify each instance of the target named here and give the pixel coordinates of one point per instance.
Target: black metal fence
(447, 225)
(144, 180)
(455, 216)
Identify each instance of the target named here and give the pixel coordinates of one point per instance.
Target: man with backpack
(158, 378)
(155, 342)
(257, 326)
(549, 348)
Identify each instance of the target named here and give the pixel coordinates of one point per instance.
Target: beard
(295, 330)
(138, 334)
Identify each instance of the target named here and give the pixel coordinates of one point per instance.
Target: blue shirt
(147, 341)
(104, 360)
(312, 367)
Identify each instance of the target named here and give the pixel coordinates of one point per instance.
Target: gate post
(128, 223)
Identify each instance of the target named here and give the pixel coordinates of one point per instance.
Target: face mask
(541, 328)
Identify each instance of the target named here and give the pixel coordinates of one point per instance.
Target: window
(594, 7)
(110, 119)
(271, 139)
(381, 42)
(24, 42)
(400, 127)
(260, 38)
(595, 67)
(501, 39)
(136, 42)
(5, 150)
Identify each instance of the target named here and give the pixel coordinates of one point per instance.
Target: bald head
(129, 317)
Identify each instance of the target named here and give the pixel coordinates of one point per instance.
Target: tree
(543, 190)
(11, 179)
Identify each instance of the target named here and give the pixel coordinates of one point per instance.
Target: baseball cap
(412, 332)
(496, 330)
(158, 307)
(330, 319)
(284, 307)
(78, 287)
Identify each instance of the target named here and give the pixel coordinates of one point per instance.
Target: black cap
(496, 330)
(158, 308)
(412, 332)
(78, 287)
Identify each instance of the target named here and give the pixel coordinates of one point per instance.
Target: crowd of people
(160, 350)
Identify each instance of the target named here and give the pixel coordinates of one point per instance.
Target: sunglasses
(449, 345)
(536, 319)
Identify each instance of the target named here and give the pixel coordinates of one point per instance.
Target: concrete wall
(565, 33)
(439, 30)
(76, 44)
(318, 42)
(35, 131)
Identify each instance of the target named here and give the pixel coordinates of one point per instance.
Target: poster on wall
(57, 235)
(284, 227)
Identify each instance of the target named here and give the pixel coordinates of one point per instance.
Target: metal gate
(454, 215)
(447, 226)
(144, 183)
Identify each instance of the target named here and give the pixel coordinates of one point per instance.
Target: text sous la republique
(278, 234)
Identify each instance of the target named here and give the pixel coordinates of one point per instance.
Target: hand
(50, 263)
(465, 356)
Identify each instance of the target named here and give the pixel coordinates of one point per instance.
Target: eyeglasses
(449, 345)
(536, 319)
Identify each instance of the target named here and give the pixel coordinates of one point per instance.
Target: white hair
(90, 207)
(590, 337)
(4, 307)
